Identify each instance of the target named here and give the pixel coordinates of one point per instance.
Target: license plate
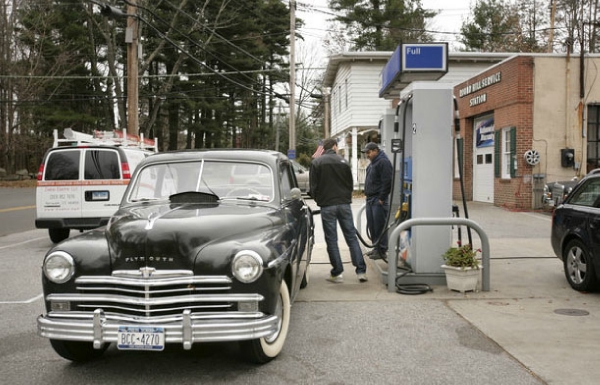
(141, 338)
(99, 195)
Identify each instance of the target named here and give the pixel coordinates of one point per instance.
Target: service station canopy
(412, 62)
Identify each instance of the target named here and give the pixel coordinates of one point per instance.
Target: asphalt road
(339, 338)
(331, 341)
(351, 333)
(17, 210)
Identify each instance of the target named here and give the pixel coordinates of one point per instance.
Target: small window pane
(592, 132)
(102, 164)
(63, 165)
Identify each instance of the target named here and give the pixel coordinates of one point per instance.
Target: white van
(80, 186)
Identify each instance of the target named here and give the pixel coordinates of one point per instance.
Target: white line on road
(21, 243)
(22, 302)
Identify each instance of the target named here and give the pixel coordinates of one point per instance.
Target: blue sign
(391, 70)
(412, 62)
(484, 133)
(291, 154)
(425, 57)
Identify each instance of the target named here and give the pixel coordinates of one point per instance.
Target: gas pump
(421, 139)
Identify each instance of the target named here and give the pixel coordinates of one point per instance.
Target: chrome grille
(148, 292)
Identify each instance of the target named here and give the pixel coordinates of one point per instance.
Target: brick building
(544, 106)
(527, 121)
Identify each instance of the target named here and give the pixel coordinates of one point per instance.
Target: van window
(102, 164)
(62, 165)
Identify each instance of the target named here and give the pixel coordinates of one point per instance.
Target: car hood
(170, 236)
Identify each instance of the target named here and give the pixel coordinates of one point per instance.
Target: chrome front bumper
(187, 328)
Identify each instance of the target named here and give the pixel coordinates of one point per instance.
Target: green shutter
(513, 151)
(497, 148)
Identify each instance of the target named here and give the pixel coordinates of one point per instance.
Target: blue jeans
(330, 216)
(377, 214)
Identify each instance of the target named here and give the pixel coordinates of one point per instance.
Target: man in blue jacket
(378, 183)
(331, 187)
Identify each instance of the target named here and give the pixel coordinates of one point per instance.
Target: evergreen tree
(494, 26)
(380, 25)
(57, 50)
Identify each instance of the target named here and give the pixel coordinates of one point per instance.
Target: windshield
(226, 180)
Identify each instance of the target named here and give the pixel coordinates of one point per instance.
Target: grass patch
(25, 183)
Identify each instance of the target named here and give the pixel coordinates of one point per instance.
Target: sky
(449, 20)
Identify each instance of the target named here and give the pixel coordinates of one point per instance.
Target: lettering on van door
(61, 197)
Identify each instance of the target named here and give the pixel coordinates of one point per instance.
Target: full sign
(424, 57)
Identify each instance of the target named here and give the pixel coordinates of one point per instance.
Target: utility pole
(552, 17)
(131, 38)
(292, 133)
(326, 96)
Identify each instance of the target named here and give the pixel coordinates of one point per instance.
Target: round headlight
(59, 267)
(247, 266)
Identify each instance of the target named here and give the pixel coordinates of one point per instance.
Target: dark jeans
(330, 216)
(377, 214)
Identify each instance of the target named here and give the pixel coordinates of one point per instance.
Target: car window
(221, 178)
(286, 182)
(62, 165)
(298, 168)
(134, 158)
(588, 194)
(102, 164)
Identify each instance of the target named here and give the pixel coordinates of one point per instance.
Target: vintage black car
(194, 254)
(576, 234)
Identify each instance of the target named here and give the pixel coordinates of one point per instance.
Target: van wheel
(58, 235)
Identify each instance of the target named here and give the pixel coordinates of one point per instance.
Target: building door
(483, 159)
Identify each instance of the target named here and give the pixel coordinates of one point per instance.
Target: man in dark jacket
(378, 183)
(331, 186)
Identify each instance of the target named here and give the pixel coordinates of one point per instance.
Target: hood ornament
(151, 219)
(147, 271)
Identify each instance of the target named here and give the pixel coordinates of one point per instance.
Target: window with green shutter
(497, 146)
(505, 149)
(513, 151)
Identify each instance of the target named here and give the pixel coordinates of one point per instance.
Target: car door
(59, 189)
(295, 212)
(103, 184)
(594, 222)
(584, 216)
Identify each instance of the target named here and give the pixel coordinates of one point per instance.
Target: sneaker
(335, 278)
(371, 252)
(362, 277)
(377, 255)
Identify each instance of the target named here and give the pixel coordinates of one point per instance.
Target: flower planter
(462, 279)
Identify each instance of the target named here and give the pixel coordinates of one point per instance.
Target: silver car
(302, 176)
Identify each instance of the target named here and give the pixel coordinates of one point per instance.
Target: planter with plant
(462, 268)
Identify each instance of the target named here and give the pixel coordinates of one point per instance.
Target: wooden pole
(132, 69)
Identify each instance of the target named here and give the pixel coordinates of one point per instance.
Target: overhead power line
(198, 61)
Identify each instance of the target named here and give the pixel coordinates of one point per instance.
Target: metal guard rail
(393, 245)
